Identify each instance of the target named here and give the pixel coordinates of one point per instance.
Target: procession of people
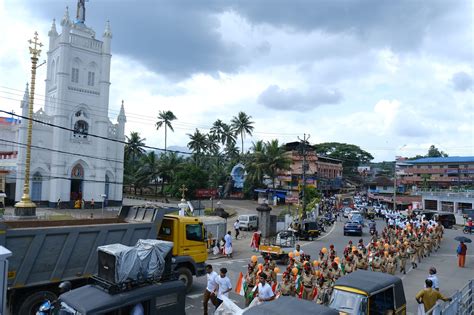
(404, 241)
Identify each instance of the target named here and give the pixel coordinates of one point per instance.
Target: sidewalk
(450, 276)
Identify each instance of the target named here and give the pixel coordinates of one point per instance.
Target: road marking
(193, 296)
(320, 238)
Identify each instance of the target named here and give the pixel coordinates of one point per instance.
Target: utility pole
(395, 185)
(305, 167)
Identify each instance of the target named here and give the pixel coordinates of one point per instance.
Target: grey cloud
(400, 25)
(173, 38)
(290, 99)
(462, 81)
(179, 38)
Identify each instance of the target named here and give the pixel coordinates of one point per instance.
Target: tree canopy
(351, 155)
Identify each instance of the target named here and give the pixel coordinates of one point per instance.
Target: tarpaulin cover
(144, 260)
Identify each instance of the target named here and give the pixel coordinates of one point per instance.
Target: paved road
(451, 277)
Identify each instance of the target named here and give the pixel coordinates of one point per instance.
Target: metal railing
(462, 303)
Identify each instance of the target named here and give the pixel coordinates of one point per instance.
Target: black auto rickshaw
(368, 292)
(370, 213)
(285, 305)
(309, 230)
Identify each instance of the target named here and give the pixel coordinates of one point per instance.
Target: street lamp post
(26, 207)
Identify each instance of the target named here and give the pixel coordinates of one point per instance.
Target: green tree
(149, 169)
(164, 119)
(256, 164)
(435, 152)
(192, 176)
(169, 164)
(241, 124)
(351, 155)
(198, 142)
(425, 178)
(134, 146)
(275, 159)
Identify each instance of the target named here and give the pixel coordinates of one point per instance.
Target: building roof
(371, 282)
(449, 159)
(382, 181)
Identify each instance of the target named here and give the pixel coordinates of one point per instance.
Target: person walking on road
(210, 292)
(462, 251)
(228, 245)
(434, 278)
(237, 229)
(92, 203)
(428, 297)
(223, 286)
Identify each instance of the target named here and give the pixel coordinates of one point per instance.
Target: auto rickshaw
(309, 230)
(370, 213)
(366, 292)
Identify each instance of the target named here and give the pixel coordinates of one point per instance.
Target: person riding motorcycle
(372, 227)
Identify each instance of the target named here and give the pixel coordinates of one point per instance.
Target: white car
(353, 212)
(346, 212)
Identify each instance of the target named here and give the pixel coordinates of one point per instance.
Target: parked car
(248, 222)
(352, 227)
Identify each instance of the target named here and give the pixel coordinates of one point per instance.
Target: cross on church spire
(183, 191)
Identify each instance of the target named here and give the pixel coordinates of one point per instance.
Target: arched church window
(77, 172)
(81, 129)
(37, 177)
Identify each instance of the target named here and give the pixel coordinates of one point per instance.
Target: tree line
(213, 156)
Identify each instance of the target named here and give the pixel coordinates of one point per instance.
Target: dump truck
(46, 253)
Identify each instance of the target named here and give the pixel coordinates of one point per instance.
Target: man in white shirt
(228, 245)
(265, 292)
(223, 286)
(299, 251)
(211, 288)
(434, 278)
(237, 229)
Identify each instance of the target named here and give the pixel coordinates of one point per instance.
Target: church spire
(66, 21)
(108, 30)
(24, 102)
(121, 117)
(53, 32)
(81, 11)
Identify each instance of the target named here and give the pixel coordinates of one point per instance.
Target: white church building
(83, 160)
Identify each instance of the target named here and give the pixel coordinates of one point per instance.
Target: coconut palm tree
(256, 165)
(227, 136)
(134, 146)
(275, 159)
(198, 143)
(164, 119)
(150, 169)
(169, 164)
(242, 125)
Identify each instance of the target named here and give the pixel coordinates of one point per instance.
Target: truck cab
(189, 250)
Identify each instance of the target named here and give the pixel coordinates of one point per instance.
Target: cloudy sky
(378, 74)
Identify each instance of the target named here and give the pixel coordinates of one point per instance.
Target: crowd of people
(401, 242)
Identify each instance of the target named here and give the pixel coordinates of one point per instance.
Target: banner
(200, 193)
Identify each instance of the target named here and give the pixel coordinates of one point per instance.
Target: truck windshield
(194, 232)
(348, 302)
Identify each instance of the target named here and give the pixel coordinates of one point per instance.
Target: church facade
(83, 160)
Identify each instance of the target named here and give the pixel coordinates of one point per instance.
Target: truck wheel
(185, 275)
(32, 303)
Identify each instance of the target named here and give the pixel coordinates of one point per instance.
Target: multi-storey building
(440, 172)
(321, 172)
